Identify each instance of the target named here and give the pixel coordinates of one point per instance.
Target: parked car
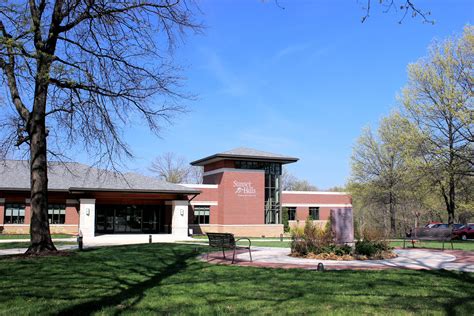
(441, 225)
(432, 224)
(465, 232)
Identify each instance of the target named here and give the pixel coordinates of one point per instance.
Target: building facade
(241, 193)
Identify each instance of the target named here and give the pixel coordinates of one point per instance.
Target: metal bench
(430, 234)
(226, 241)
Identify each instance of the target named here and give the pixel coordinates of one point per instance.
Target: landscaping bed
(317, 242)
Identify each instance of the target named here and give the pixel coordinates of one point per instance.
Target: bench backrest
(433, 233)
(223, 240)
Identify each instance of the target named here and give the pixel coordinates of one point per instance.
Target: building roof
(245, 154)
(73, 176)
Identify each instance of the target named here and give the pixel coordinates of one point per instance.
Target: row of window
(15, 214)
(202, 214)
(313, 213)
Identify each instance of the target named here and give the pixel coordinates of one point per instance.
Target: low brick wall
(25, 229)
(270, 230)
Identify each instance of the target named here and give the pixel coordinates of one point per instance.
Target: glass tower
(272, 208)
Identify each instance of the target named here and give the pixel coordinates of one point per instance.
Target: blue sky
(301, 81)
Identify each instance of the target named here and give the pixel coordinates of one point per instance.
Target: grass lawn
(457, 244)
(11, 245)
(167, 279)
(55, 236)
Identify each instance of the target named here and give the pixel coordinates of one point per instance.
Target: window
(314, 213)
(291, 213)
(14, 213)
(57, 213)
(201, 214)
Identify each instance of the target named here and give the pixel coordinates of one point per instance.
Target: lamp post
(79, 242)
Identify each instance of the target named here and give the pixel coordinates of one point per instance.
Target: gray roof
(73, 176)
(245, 153)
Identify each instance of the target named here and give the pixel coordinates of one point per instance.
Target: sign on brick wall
(244, 188)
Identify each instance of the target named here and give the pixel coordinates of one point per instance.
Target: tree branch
(9, 71)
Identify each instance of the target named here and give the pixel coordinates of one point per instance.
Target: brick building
(241, 193)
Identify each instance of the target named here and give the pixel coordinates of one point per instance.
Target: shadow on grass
(135, 291)
(163, 278)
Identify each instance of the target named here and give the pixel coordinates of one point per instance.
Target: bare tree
(287, 179)
(406, 7)
(171, 168)
(290, 182)
(78, 72)
(196, 174)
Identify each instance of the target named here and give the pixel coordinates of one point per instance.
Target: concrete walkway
(416, 259)
(5, 241)
(101, 241)
(19, 251)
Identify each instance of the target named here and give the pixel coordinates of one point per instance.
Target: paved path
(417, 259)
(5, 241)
(19, 251)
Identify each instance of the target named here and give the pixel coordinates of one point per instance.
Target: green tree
(379, 166)
(438, 100)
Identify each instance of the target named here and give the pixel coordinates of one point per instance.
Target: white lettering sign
(244, 188)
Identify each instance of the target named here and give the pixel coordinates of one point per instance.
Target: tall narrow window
(57, 213)
(201, 214)
(14, 214)
(314, 213)
(291, 213)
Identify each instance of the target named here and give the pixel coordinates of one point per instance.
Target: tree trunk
(393, 222)
(452, 201)
(451, 204)
(449, 200)
(39, 227)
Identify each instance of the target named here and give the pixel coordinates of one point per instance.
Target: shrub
(284, 220)
(313, 240)
(372, 244)
(310, 239)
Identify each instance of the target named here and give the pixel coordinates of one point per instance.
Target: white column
(87, 217)
(179, 221)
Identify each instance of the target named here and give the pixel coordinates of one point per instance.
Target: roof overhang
(218, 157)
(79, 190)
(184, 191)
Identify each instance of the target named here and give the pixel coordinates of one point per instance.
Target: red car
(465, 232)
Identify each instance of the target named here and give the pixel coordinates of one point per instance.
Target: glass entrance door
(124, 219)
